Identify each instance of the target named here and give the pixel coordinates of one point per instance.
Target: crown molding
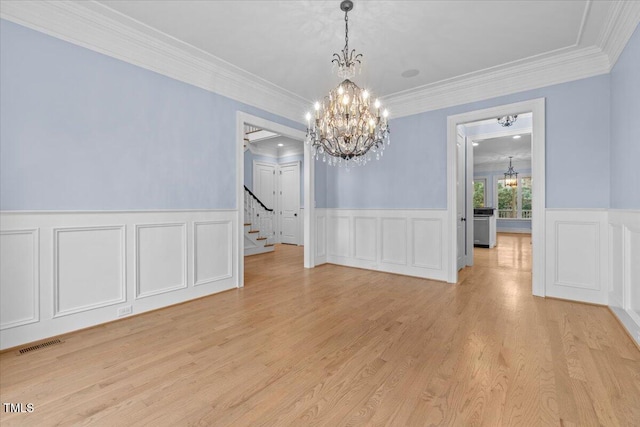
(498, 81)
(562, 66)
(101, 29)
(98, 28)
(622, 20)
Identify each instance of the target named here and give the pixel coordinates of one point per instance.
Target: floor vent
(39, 346)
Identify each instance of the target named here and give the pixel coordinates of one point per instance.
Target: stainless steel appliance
(484, 227)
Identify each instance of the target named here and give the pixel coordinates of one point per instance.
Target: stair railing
(259, 216)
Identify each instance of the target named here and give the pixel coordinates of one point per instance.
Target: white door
(264, 183)
(460, 201)
(289, 202)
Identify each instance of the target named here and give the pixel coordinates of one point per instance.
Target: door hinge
(281, 232)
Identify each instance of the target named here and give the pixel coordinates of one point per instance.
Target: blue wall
(83, 131)
(625, 127)
(320, 188)
(412, 173)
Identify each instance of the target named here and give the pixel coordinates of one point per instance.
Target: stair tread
(247, 223)
(261, 238)
(268, 244)
(254, 231)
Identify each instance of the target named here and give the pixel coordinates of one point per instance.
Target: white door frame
(243, 118)
(537, 107)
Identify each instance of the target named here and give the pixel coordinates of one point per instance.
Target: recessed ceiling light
(475, 144)
(280, 145)
(410, 73)
(516, 137)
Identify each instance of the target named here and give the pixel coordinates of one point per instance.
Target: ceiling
(497, 151)
(276, 55)
(290, 43)
(280, 143)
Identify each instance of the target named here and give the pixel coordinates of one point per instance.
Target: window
(514, 202)
(479, 192)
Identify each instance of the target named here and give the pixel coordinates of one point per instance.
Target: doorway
(537, 109)
(242, 121)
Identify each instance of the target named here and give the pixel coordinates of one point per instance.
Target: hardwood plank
(342, 346)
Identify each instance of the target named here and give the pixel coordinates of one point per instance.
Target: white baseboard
(409, 242)
(514, 230)
(63, 271)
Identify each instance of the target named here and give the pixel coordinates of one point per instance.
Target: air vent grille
(39, 346)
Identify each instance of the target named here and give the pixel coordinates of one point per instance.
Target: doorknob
(295, 214)
(463, 219)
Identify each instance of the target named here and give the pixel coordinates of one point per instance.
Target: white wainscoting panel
(577, 254)
(394, 240)
(406, 242)
(426, 237)
(616, 264)
(212, 249)
(19, 278)
(89, 268)
(632, 246)
(161, 258)
(339, 235)
(63, 271)
(365, 238)
(576, 250)
(624, 253)
(321, 236)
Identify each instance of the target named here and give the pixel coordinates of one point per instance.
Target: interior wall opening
(274, 182)
(516, 207)
(498, 199)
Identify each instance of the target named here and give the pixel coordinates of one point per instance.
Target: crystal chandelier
(346, 128)
(511, 176)
(506, 121)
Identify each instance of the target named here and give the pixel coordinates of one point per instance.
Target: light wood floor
(341, 346)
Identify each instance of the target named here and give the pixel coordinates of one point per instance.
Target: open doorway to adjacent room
(274, 184)
(273, 178)
(489, 205)
(501, 192)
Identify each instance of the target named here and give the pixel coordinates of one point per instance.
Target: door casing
(537, 108)
(243, 118)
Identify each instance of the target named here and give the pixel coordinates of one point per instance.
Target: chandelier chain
(346, 34)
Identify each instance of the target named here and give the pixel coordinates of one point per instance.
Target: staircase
(259, 234)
